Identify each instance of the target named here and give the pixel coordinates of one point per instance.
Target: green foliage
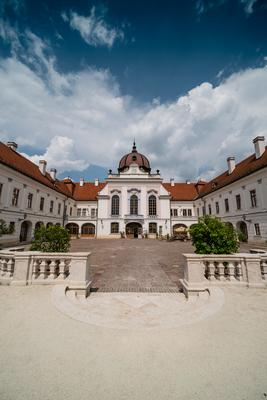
(211, 236)
(4, 230)
(241, 236)
(52, 239)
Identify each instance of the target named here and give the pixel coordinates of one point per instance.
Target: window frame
(15, 197)
(134, 204)
(115, 205)
(114, 228)
(253, 198)
(152, 205)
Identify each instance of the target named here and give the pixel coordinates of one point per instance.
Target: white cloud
(93, 29)
(202, 6)
(61, 154)
(82, 118)
(248, 5)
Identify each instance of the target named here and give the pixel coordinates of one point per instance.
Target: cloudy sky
(79, 80)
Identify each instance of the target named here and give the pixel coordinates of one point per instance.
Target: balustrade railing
(7, 263)
(204, 271)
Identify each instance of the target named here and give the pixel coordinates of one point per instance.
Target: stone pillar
(79, 278)
(253, 270)
(22, 273)
(194, 280)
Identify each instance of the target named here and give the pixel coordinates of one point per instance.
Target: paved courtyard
(135, 265)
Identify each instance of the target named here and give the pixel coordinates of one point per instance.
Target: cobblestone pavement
(135, 265)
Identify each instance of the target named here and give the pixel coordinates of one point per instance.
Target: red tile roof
(21, 164)
(182, 191)
(87, 192)
(242, 169)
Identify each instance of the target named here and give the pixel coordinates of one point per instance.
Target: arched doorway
(49, 224)
(179, 230)
(38, 225)
(25, 231)
(88, 230)
(133, 230)
(73, 229)
(242, 228)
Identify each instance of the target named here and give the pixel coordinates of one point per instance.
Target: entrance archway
(38, 225)
(133, 230)
(242, 227)
(25, 231)
(179, 229)
(73, 229)
(88, 230)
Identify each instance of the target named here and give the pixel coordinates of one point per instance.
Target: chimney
(172, 181)
(12, 145)
(81, 181)
(42, 166)
(231, 164)
(96, 182)
(53, 173)
(259, 145)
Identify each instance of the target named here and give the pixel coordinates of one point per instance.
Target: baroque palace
(134, 202)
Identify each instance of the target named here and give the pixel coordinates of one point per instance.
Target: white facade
(131, 203)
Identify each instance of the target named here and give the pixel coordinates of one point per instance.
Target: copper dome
(134, 158)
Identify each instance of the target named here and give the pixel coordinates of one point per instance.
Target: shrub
(211, 236)
(4, 230)
(52, 239)
(241, 236)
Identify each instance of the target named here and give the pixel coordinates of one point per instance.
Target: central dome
(134, 158)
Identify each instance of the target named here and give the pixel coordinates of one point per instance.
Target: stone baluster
(238, 271)
(43, 269)
(4, 267)
(10, 267)
(62, 269)
(231, 271)
(35, 269)
(212, 271)
(53, 269)
(264, 269)
(221, 271)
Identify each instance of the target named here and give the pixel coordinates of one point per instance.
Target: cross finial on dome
(134, 147)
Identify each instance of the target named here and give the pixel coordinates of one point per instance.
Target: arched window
(134, 205)
(152, 205)
(152, 227)
(114, 227)
(115, 205)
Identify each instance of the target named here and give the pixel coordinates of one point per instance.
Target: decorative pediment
(152, 191)
(134, 190)
(115, 191)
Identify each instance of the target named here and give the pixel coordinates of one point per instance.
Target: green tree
(212, 236)
(52, 239)
(4, 230)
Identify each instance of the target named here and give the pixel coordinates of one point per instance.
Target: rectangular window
(29, 200)
(257, 229)
(1, 189)
(11, 227)
(51, 206)
(238, 201)
(59, 208)
(217, 207)
(152, 227)
(93, 213)
(209, 206)
(84, 212)
(189, 212)
(253, 198)
(114, 227)
(79, 212)
(15, 197)
(197, 211)
(175, 212)
(42, 204)
(226, 203)
(203, 210)
(70, 211)
(171, 212)
(184, 212)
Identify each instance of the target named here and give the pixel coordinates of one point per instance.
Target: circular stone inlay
(137, 310)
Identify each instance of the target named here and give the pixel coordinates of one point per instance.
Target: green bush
(241, 236)
(52, 239)
(4, 230)
(211, 236)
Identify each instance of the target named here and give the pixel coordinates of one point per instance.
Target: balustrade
(7, 263)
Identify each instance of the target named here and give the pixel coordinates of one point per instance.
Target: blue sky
(187, 79)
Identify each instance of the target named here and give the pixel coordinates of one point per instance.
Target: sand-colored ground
(47, 355)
